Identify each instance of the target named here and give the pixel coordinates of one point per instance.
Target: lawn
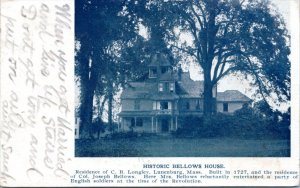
(168, 146)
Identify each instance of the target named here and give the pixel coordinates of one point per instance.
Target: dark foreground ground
(168, 146)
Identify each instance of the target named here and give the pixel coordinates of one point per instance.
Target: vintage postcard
(126, 93)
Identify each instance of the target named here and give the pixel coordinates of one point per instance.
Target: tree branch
(261, 86)
(184, 50)
(197, 16)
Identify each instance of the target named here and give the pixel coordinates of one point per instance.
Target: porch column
(155, 124)
(152, 127)
(122, 123)
(135, 121)
(176, 123)
(119, 124)
(172, 123)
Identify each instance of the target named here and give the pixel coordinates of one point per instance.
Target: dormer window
(171, 87)
(164, 70)
(153, 72)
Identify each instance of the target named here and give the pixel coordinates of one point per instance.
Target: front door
(164, 125)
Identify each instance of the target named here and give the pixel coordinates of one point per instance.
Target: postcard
(149, 93)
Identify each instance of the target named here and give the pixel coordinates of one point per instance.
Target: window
(153, 72)
(132, 122)
(137, 104)
(154, 105)
(164, 105)
(171, 87)
(198, 104)
(164, 70)
(166, 86)
(139, 122)
(225, 107)
(160, 87)
(187, 105)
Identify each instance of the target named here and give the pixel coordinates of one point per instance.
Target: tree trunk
(86, 109)
(208, 96)
(89, 111)
(110, 101)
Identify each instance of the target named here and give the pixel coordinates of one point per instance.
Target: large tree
(238, 36)
(228, 36)
(103, 30)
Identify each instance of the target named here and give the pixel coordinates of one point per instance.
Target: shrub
(190, 126)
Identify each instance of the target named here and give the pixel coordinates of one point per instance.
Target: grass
(168, 146)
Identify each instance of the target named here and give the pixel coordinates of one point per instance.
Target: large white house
(157, 103)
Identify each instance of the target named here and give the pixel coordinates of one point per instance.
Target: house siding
(232, 106)
(129, 105)
(182, 105)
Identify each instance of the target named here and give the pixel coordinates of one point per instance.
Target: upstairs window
(154, 105)
(225, 107)
(153, 72)
(164, 70)
(160, 87)
(137, 104)
(166, 84)
(171, 87)
(164, 105)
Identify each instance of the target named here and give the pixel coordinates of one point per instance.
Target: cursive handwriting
(9, 31)
(63, 20)
(30, 76)
(44, 33)
(33, 173)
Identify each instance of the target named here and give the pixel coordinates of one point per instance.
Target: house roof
(164, 96)
(232, 96)
(168, 76)
(188, 87)
(138, 90)
(185, 88)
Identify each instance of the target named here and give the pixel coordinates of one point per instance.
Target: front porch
(149, 124)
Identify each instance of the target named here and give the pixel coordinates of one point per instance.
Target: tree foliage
(229, 36)
(107, 35)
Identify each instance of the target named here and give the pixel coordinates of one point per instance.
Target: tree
(245, 36)
(103, 30)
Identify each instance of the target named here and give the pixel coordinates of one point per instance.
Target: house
(157, 103)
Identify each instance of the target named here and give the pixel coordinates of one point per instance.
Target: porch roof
(135, 113)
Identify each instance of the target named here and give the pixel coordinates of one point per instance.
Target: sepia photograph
(199, 78)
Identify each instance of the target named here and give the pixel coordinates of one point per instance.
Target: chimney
(179, 72)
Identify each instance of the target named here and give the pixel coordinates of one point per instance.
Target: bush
(246, 123)
(190, 126)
